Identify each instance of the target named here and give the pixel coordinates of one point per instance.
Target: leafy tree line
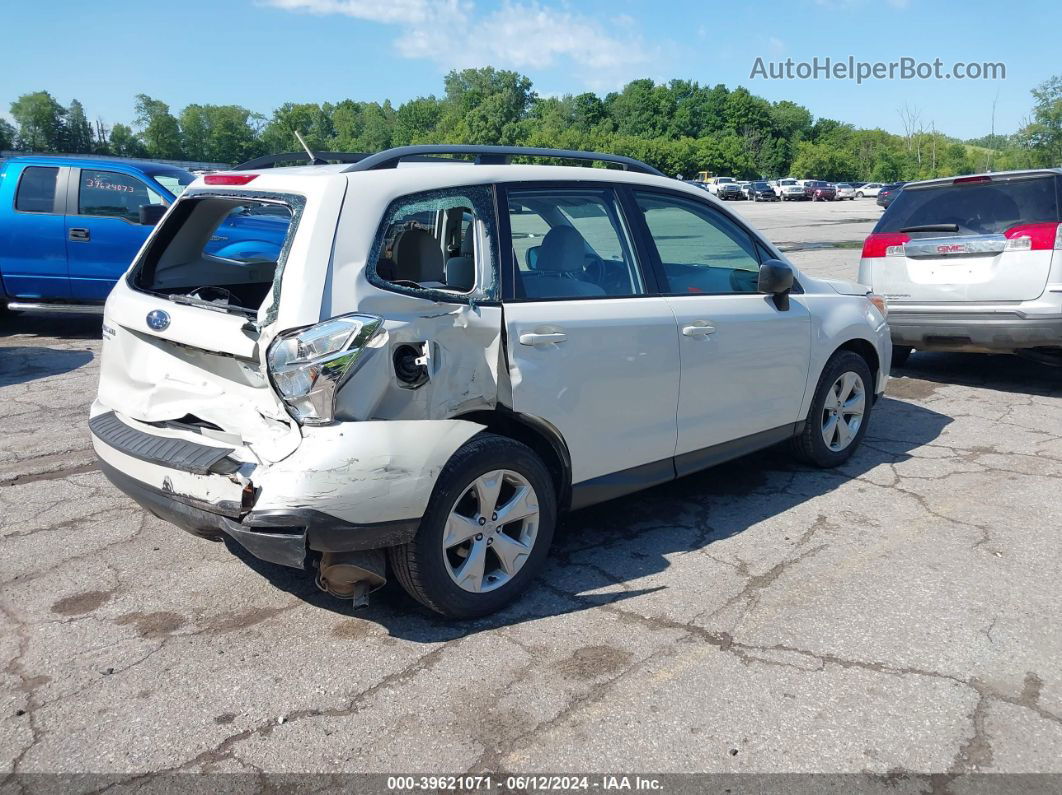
(680, 127)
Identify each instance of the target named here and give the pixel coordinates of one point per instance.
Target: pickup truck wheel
(840, 411)
(486, 532)
(900, 355)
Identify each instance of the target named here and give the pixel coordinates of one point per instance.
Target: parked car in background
(382, 398)
(868, 189)
(714, 183)
(887, 193)
(728, 191)
(972, 264)
(69, 227)
(762, 192)
(845, 190)
(744, 185)
(817, 190)
(789, 189)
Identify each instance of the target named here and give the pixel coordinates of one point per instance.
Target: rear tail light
(1034, 237)
(228, 179)
(885, 245)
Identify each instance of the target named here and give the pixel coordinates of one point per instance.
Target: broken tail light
(1034, 237)
(308, 365)
(885, 245)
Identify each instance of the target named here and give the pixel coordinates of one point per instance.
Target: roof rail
(322, 158)
(492, 155)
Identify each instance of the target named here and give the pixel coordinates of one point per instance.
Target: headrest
(563, 250)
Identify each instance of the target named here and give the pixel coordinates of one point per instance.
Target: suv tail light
(885, 245)
(1034, 237)
(308, 365)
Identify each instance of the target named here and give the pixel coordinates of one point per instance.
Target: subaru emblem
(158, 320)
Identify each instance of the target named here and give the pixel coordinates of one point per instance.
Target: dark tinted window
(36, 190)
(112, 194)
(983, 208)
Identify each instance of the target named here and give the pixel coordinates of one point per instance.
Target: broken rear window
(217, 250)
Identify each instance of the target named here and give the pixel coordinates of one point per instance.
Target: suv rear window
(977, 208)
(218, 250)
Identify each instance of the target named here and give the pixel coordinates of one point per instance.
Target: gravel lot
(899, 616)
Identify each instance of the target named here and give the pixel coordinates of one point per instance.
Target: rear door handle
(76, 233)
(535, 338)
(699, 328)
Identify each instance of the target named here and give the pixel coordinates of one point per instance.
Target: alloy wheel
(490, 531)
(842, 412)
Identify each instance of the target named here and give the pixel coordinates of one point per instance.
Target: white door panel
(604, 372)
(744, 366)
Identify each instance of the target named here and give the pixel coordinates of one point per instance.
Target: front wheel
(859, 195)
(840, 410)
(486, 532)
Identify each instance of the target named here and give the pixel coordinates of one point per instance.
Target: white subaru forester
(417, 368)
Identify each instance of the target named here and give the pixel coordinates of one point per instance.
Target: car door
(103, 232)
(591, 350)
(32, 248)
(744, 360)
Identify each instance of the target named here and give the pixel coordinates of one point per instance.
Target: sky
(262, 53)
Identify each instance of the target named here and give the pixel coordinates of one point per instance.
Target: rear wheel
(840, 410)
(900, 355)
(486, 533)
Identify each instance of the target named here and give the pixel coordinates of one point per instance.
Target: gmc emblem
(953, 248)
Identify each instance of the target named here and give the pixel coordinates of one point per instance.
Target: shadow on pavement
(20, 364)
(1004, 373)
(67, 326)
(681, 516)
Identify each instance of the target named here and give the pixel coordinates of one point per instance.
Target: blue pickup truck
(69, 227)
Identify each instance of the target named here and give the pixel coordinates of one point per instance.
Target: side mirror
(151, 214)
(531, 257)
(776, 279)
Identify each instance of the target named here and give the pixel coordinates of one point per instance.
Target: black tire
(859, 195)
(900, 355)
(419, 565)
(809, 446)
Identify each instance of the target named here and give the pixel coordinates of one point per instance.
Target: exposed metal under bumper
(997, 332)
(281, 537)
(83, 309)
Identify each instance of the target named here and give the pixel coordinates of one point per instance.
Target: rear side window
(36, 190)
(218, 250)
(435, 241)
(978, 208)
(114, 195)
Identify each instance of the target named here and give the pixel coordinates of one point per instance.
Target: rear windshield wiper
(932, 228)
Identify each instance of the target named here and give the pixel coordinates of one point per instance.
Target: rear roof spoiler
(491, 155)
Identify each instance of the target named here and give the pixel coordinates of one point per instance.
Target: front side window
(36, 190)
(436, 241)
(113, 195)
(570, 243)
(700, 249)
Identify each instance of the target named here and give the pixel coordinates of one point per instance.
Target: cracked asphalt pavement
(897, 616)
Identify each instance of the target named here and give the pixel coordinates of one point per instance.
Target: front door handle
(698, 329)
(77, 233)
(534, 338)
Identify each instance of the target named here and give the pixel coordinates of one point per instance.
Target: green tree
(1043, 135)
(219, 133)
(123, 142)
(40, 122)
(77, 130)
(485, 106)
(159, 130)
(823, 161)
(416, 121)
(313, 121)
(7, 135)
